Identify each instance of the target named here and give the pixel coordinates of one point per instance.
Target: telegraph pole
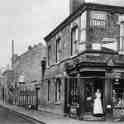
(12, 54)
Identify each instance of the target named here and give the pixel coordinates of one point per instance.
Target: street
(9, 117)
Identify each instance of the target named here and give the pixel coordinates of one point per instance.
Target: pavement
(9, 117)
(50, 118)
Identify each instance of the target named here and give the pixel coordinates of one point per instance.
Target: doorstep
(90, 117)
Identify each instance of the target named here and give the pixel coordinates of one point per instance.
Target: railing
(21, 96)
(98, 23)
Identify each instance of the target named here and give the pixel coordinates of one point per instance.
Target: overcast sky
(28, 21)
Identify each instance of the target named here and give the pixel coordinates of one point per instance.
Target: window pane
(49, 55)
(74, 41)
(58, 91)
(83, 20)
(122, 36)
(58, 49)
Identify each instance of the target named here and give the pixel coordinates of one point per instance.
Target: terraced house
(28, 75)
(86, 53)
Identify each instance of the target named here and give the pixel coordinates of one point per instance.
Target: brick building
(86, 53)
(27, 67)
(28, 64)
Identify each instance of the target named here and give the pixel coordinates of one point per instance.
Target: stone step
(91, 117)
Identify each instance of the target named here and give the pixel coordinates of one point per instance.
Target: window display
(118, 95)
(118, 98)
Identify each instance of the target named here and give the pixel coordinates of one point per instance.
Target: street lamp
(43, 67)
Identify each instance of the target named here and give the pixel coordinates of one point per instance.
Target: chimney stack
(75, 4)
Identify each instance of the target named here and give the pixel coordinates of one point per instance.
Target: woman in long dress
(97, 107)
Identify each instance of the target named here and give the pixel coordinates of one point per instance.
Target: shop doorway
(91, 87)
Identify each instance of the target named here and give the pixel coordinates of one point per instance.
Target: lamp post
(43, 67)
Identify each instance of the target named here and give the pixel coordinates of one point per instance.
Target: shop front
(94, 99)
(95, 91)
(82, 92)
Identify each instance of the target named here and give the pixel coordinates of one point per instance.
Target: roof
(7, 72)
(29, 50)
(85, 6)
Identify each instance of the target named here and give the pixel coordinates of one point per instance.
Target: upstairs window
(82, 42)
(49, 55)
(74, 41)
(98, 19)
(121, 36)
(58, 49)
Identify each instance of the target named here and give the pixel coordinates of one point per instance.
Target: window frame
(121, 47)
(58, 49)
(75, 30)
(49, 54)
(58, 91)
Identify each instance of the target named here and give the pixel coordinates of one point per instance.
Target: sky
(28, 21)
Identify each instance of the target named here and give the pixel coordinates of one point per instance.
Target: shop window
(73, 91)
(74, 41)
(118, 97)
(58, 91)
(118, 93)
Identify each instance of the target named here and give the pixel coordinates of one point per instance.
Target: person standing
(97, 106)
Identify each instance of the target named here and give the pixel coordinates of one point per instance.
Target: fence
(22, 96)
